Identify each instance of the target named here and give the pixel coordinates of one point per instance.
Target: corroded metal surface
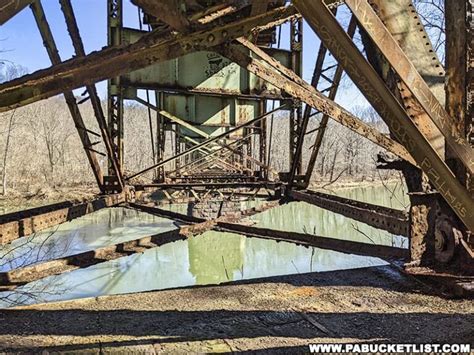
(110, 62)
(19, 224)
(406, 89)
(388, 219)
(376, 92)
(413, 80)
(9, 8)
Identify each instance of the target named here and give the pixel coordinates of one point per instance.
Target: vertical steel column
(470, 73)
(160, 135)
(114, 93)
(296, 113)
(177, 150)
(249, 147)
(262, 131)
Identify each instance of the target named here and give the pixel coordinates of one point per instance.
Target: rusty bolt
(211, 38)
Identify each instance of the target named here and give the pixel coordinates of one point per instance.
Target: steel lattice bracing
(210, 67)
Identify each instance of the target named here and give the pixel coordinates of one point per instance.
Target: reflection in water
(302, 217)
(90, 232)
(211, 258)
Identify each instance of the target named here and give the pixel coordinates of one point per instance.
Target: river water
(211, 258)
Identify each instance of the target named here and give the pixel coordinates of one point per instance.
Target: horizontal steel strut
(388, 219)
(373, 87)
(301, 90)
(20, 224)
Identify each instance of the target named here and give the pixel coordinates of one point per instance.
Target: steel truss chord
(9, 8)
(286, 80)
(154, 47)
(407, 72)
(374, 88)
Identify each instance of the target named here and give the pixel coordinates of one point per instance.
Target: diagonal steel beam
(298, 88)
(211, 153)
(198, 131)
(9, 8)
(375, 90)
(74, 33)
(53, 54)
(332, 95)
(407, 72)
(111, 62)
(210, 140)
(207, 153)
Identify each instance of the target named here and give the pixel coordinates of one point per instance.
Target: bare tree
(431, 13)
(9, 72)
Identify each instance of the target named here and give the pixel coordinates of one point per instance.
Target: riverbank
(36, 197)
(279, 314)
(40, 196)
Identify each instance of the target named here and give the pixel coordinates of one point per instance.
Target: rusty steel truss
(428, 109)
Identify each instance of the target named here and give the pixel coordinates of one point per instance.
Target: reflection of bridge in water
(208, 73)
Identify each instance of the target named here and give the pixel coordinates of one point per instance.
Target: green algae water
(211, 258)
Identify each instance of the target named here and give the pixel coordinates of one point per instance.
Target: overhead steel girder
(318, 70)
(373, 87)
(203, 144)
(111, 62)
(296, 87)
(9, 8)
(407, 72)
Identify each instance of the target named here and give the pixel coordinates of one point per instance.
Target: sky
(21, 43)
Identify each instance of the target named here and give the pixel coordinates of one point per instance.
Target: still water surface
(211, 258)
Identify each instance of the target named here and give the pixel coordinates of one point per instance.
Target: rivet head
(211, 38)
